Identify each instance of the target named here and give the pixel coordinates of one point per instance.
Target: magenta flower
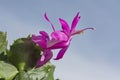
(42, 41)
(60, 39)
(64, 36)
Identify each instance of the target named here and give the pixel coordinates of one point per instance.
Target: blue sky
(93, 55)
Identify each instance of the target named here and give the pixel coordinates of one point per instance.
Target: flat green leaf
(45, 72)
(3, 42)
(7, 71)
(22, 75)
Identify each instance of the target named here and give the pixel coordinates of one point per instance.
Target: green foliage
(3, 42)
(3, 46)
(7, 71)
(22, 75)
(19, 61)
(43, 73)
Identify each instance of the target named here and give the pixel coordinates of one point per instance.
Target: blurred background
(93, 55)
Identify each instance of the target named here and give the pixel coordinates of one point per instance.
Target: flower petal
(74, 22)
(40, 40)
(43, 33)
(49, 21)
(60, 45)
(65, 26)
(52, 42)
(61, 53)
(58, 35)
(57, 40)
(47, 55)
(80, 31)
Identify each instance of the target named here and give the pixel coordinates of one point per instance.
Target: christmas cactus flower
(43, 40)
(60, 39)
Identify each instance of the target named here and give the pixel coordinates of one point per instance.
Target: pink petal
(47, 55)
(43, 33)
(40, 40)
(49, 21)
(60, 45)
(55, 44)
(65, 26)
(80, 31)
(46, 17)
(52, 42)
(58, 35)
(42, 58)
(61, 53)
(74, 22)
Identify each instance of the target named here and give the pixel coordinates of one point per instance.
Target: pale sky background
(93, 55)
